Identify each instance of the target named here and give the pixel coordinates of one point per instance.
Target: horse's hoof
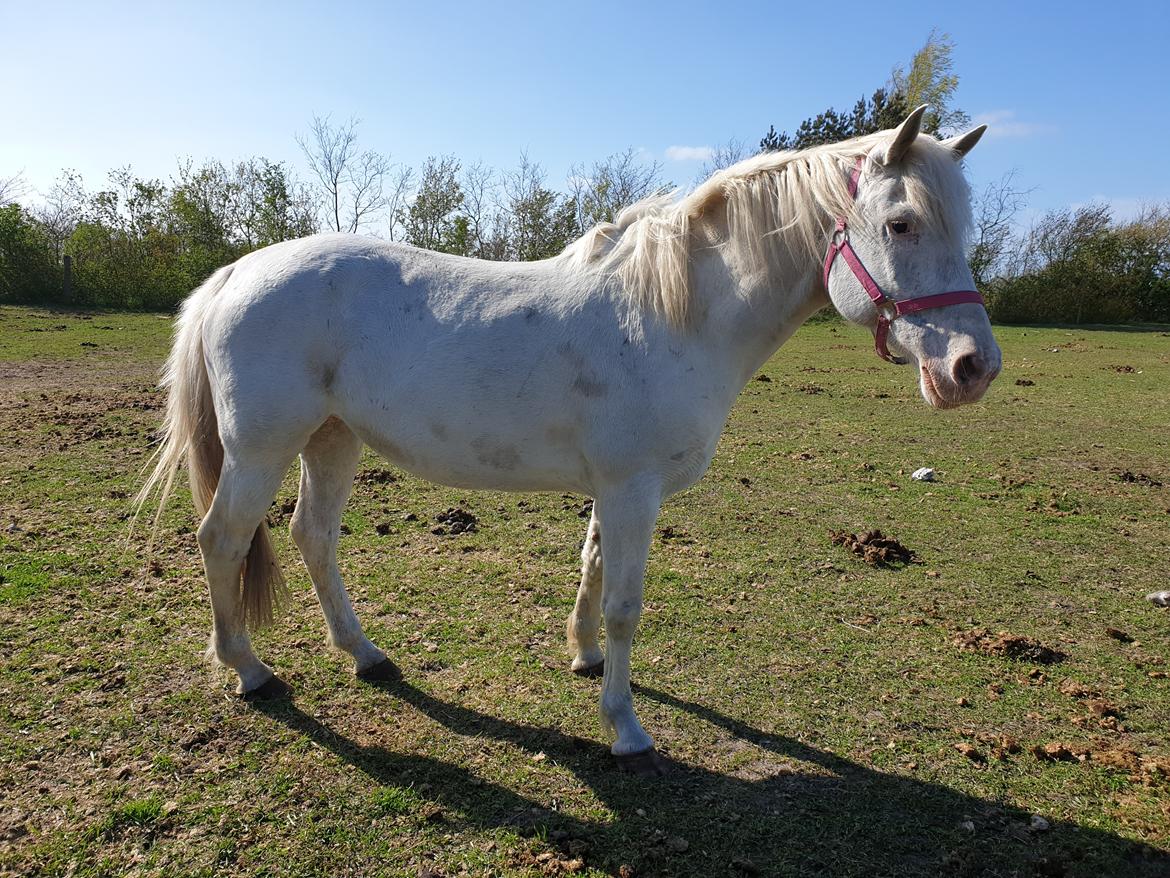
(597, 670)
(648, 763)
(271, 689)
(384, 671)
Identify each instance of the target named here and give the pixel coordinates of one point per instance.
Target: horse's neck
(751, 314)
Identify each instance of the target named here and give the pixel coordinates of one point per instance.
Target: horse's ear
(964, 143)
(904, 136)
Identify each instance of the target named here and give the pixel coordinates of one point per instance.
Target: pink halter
(888, 309)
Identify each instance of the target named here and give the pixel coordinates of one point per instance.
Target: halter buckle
(887, 310)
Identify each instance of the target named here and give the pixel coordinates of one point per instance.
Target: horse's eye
(899, 227)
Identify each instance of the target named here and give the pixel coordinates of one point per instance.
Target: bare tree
(995, 213)
(12, 188)
(367, 183)
(486, 227)
(61, 209)
(603, 190)
(353, 181)
(724, 156)
(397, 195)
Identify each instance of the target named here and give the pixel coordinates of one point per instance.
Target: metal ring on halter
(888, 309)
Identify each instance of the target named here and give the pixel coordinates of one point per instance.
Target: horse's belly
(487, 460)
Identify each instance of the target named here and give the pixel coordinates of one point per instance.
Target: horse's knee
(621, 619)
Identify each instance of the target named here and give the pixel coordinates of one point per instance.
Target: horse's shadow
(840, 818)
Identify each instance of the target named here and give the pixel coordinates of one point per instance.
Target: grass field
(826, 717)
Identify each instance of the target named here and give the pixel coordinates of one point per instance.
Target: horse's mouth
(945, 394)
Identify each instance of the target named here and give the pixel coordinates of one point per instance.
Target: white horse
(608, 370)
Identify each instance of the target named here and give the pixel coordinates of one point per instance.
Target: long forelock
(773, 202)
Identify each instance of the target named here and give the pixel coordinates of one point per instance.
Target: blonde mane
(775, 205)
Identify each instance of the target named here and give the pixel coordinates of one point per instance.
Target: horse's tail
(191, 430)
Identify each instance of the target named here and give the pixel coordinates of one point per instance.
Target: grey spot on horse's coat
(328, 374)
(395, 453)
(566, 350)
(561, 434)
(588, 386)
(678, 455)
(497, 456)
(439, 431)
(532, 315)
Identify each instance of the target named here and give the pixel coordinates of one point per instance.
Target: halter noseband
(888, 310)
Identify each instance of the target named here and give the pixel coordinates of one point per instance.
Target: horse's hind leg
(328, 464)
(242, 498)
(585, 619)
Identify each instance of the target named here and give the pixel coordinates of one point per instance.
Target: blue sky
(1074, 92)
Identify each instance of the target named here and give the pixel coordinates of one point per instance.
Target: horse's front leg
(585, 620)
(626, 517)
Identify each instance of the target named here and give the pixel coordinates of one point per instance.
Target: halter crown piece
(888, 310)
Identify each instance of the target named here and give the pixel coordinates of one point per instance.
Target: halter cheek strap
(888, 310)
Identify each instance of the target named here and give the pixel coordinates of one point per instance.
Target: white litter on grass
(925, 474)
(1159, 598)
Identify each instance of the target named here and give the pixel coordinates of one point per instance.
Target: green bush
(1092, 272)
(28, 271)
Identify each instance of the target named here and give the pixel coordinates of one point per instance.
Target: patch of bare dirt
(1060, 751)
(63, 376)
(1073, 689)
(1025, 382)
(875, 549)
(1147, 770)
(1139, 479)
(1005, 645)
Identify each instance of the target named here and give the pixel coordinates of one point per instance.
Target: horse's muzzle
(961, 380)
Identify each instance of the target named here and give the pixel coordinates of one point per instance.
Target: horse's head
(898, 264)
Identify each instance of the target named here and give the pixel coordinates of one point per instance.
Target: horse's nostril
(967, 368)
